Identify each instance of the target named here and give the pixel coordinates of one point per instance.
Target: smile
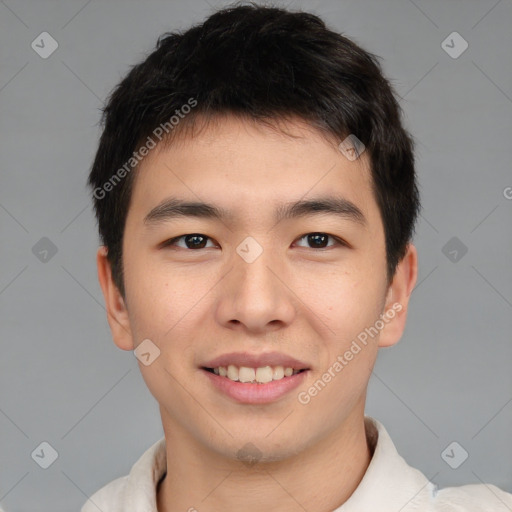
(260, 375)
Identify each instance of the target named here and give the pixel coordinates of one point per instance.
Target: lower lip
(247, 393)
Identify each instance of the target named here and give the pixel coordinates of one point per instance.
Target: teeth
(278, 373)
(264, 374)
(246, 374)
(232, 372)
(260, 375)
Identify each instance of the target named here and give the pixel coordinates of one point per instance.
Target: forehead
(246, 167)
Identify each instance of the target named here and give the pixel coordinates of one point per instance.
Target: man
(256, 198)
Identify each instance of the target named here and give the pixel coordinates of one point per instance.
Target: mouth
(250, 378)
(248, 385)
(250, 375)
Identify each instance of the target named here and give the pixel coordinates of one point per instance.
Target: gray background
(62, 379)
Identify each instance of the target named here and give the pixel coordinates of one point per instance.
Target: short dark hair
(266, 64)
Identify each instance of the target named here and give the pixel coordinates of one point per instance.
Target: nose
(256, 296)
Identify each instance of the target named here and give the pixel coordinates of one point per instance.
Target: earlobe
(117, 313)
(397, 299)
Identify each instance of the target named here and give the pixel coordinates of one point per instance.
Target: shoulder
(391, 484)
(137, 489)
(108, 498)
(472, 498)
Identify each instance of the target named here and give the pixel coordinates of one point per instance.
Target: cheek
(167, 306)
(350, 308)
(160, 309)
(152, 300)
(347, 301)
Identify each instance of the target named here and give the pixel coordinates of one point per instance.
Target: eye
(196, 241)
(192, 241)
(318, 240)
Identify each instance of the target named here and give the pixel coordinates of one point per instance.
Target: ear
(117, 313)
(397, 299)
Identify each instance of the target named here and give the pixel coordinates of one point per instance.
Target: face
(255, 283)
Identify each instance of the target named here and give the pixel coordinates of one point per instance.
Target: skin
(297, 298)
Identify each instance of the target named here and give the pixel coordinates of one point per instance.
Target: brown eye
(192, 241)
(320, 240)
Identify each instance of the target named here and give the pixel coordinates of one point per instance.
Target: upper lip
(256, 360)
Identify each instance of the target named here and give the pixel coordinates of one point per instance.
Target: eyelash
(172, 241)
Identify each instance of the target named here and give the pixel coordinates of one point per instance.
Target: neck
(320, 478)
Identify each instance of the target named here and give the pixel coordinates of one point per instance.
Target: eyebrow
(172, 208)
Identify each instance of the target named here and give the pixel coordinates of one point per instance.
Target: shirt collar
(388, 485)
(146, 473)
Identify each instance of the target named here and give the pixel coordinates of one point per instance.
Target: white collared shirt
(389, 485)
